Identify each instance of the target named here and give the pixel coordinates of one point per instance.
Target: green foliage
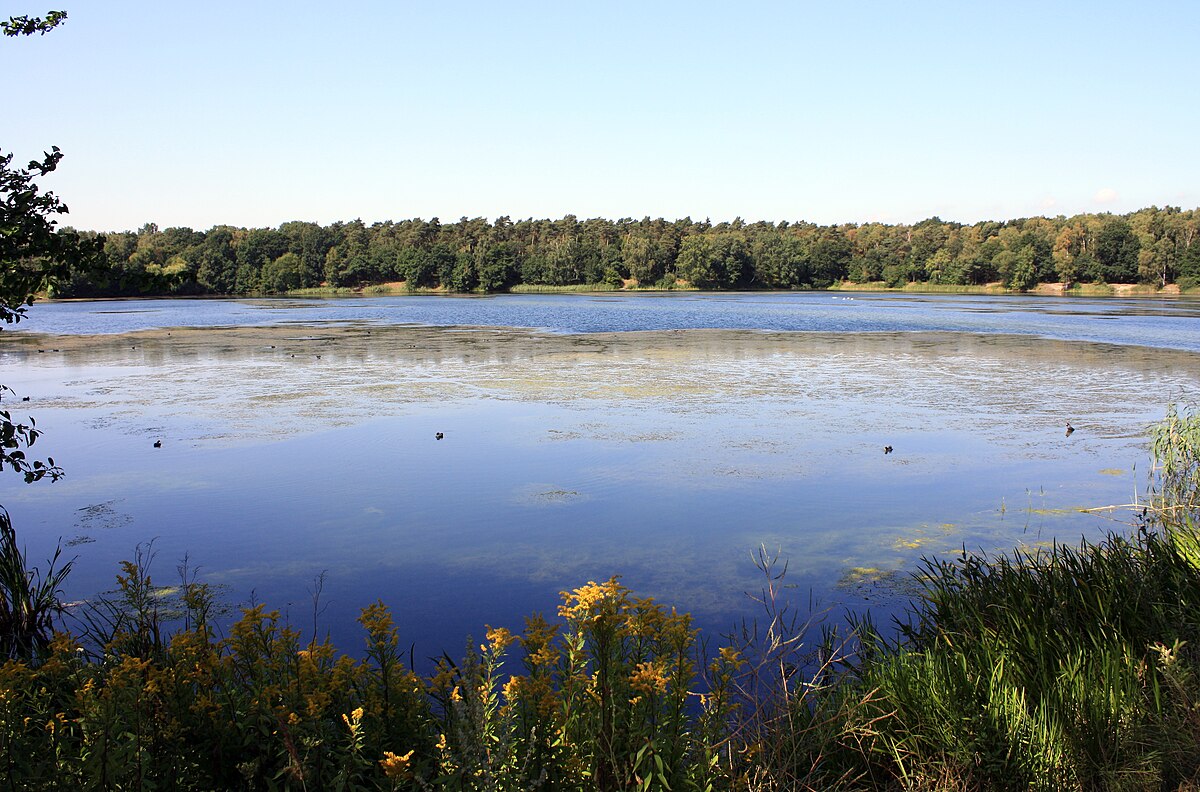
(27, 25)
(1116, 253)
(33, 254)
(603, 701)
(1157, 245)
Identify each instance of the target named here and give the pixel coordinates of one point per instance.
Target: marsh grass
(1059, 668)
(29, 600)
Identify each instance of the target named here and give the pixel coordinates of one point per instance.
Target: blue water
(664, 457)
(1167, 322)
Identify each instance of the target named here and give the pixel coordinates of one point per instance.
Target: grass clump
(1060, 668)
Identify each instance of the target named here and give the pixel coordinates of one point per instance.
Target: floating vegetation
(102, 515)
(1112, 472)
(562, 434)
(922, 538)
(870, 581)
(79, 540)
(557, 496)
(862, 575)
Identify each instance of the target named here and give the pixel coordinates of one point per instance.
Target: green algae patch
(862, 575)
(925, 536)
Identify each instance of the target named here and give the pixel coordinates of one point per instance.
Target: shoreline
(1088, 290)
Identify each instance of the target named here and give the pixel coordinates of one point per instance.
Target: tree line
(1152, 246)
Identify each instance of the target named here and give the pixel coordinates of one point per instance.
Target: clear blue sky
(256, 113)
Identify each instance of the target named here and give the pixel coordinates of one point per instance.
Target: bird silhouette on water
(887, 449)
(439, 436)
(158, 443)
(1069, 428)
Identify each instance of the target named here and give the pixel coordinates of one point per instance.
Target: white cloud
(1106, 196)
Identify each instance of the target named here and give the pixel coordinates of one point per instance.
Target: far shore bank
(1042, 289)
(399, 289)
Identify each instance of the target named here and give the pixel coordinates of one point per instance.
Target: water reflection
(666, 457)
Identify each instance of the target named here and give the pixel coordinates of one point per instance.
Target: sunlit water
(299, 437)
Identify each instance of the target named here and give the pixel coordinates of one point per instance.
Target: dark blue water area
(668, 459)
(491, 523)
(1157, 322)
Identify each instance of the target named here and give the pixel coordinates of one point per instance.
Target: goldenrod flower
(512, 688)
(648, 678)
(354, 720)
(732, 656)
(586, 602)
(499, 638)
(394, 765)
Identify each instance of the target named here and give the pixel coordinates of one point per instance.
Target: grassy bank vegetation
(1069, 668)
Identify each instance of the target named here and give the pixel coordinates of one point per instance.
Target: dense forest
(1151, 246)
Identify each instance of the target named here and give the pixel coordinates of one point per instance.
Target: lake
(660, 437)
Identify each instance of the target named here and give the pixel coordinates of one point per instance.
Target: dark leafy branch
(27, 25)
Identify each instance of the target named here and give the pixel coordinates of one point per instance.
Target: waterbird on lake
(1069, 428)
(24, 398)
(158, 443)
(439, 436)
(887, 449)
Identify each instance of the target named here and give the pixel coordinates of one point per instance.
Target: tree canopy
(1153, 246)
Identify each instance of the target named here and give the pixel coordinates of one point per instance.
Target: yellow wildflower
(395, 766)
(544, 657)
(512, 688)
(587, 602)
(442, 678)
(354, 720)
(499, 638)
(732, 656)
(648, 678)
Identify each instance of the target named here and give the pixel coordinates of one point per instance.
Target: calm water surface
(1169, 322)
(659, 437)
